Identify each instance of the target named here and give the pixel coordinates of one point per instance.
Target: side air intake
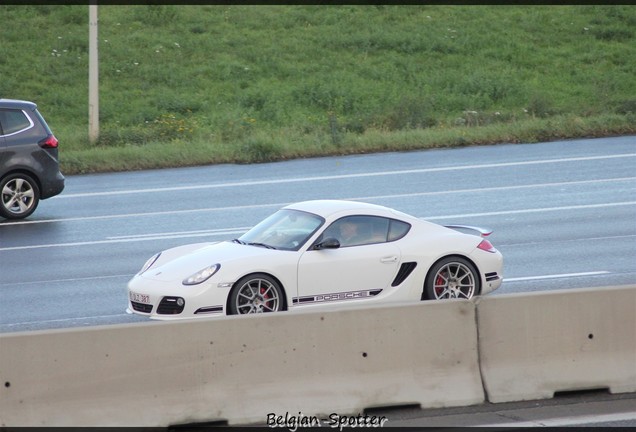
(405, 270)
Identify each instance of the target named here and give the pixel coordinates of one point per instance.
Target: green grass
(189, 85)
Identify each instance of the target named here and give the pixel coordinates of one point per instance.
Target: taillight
(49, 142)
(485, 245)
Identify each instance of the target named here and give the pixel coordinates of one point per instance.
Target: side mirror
(328, 243)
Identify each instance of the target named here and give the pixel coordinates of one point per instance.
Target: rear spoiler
(483, 232)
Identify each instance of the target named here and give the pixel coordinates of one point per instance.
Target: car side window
(13, 121)
(398, 229)
(358, 230)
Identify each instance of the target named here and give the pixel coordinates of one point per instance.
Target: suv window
(13, 121)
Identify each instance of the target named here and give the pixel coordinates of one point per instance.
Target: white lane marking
(568, 421)
(91, 278)
(92, 318)
(241, 231)
(537, 210)
(121, 240)
(278, 205)
(119, 315)
(158, 213)
(342, 176)
(496, 189)
(555, 276)
(518, 279)
(178, 234)
(587, 239)
(128, 276)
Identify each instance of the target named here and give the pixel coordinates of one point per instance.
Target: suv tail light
(49, 142)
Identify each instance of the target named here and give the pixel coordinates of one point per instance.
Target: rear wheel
(452, 277)
(257, 293)
(19, 196)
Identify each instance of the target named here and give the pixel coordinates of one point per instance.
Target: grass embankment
(189, 85)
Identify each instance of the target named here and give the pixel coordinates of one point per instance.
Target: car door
(358, 271)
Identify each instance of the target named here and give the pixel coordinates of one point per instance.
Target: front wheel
(256, 293)
(19, 196)
(452, 277)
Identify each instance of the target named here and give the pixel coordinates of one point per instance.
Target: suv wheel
(19, 196)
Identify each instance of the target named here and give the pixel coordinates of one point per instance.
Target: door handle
(389, 259)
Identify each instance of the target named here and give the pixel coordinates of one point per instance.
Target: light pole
(93, 75)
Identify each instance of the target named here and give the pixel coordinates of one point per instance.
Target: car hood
(190, 262)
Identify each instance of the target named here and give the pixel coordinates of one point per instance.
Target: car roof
(326, 208)
(16, 103)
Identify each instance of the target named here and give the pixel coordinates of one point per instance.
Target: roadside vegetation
(194, 85)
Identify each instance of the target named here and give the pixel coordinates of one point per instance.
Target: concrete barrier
(241, 369)
(533, 345)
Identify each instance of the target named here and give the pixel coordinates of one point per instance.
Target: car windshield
(286, 229)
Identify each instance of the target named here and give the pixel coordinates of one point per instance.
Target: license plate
(139, 298)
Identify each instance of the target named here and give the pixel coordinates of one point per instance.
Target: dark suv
(29, 168)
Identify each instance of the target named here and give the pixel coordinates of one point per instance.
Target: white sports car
(315, 253)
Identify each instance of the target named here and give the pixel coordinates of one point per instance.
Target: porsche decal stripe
(349, 295)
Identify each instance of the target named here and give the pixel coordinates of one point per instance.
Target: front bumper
(157, 300)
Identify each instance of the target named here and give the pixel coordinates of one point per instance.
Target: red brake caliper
(265, 297)
(439, 281)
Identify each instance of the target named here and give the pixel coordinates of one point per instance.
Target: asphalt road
(563, 214)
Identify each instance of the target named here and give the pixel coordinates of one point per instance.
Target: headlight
(202, 275)
(149, 263)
